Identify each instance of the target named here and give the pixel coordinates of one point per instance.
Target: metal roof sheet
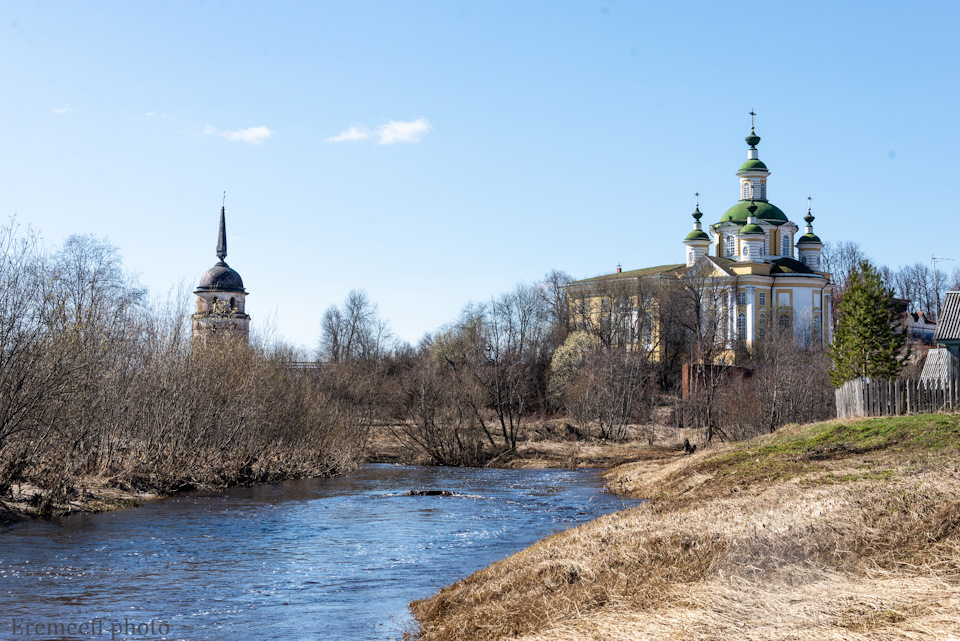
(948, 324)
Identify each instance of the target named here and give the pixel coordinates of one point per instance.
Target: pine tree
(867, 341)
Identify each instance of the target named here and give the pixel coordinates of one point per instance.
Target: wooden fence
(870, 397)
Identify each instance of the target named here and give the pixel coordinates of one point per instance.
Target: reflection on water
(311, 559)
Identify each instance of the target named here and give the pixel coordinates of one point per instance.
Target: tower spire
(222, 237)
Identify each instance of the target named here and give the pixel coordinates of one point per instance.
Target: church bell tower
(221, 298)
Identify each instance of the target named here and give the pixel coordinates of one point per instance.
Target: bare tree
(354, 332)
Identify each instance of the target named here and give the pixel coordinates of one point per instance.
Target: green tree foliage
(867, 341)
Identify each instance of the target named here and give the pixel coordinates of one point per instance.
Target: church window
(763, 298)
(763, 191)
(742, 327)
(729, 246)
(785, 244)
(761, 326)
(816, 330)
(233, 303)
(746, 190)
(783, 323)
(741, 298)
(646, 332)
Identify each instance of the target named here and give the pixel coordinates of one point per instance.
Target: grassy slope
(837, 530)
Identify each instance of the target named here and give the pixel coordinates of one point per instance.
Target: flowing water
(309, 559)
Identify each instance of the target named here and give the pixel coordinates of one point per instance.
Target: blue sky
(435, 153)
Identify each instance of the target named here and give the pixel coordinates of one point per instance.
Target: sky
(438, 153)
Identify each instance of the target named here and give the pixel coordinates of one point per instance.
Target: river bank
(550, 444)
(542, 446)
(837, 530)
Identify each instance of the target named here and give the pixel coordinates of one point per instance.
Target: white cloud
(393, 132)
(250, 135)
(351, 134)
(400, 131)
(61, 110)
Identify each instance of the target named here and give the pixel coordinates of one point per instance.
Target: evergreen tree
(868, 340)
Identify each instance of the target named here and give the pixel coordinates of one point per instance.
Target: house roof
(948, 324)
(939, 364)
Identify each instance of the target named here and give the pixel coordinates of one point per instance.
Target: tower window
(785, 244)
(763, 191)
(730, 246)
(746, 190)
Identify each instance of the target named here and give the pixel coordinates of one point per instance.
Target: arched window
(746, 189)
(742, 326)
(785, 244)
(729, 246)
(783, 323)
(233, 302)
(646, 332)
(763, 191)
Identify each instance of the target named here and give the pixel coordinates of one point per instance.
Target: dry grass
(825, 532)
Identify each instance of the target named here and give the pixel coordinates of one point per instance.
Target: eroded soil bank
(837, 530)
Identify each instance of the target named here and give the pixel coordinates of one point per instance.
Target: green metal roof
(646, 271)
(765, 211)
(809, 238)
(788, 265)
(752, 165)
(751, 228)
(697, 234)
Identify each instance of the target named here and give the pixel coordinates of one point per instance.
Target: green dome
(809, 238)
(751, 228)
(752, 165)
(753, 139)
(765, 211)
(697, 234)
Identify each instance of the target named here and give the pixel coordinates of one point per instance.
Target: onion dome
(809, 236)
(697, 233)
(753, 139)
(751, 227)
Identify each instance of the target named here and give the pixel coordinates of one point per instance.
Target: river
(311, 559)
